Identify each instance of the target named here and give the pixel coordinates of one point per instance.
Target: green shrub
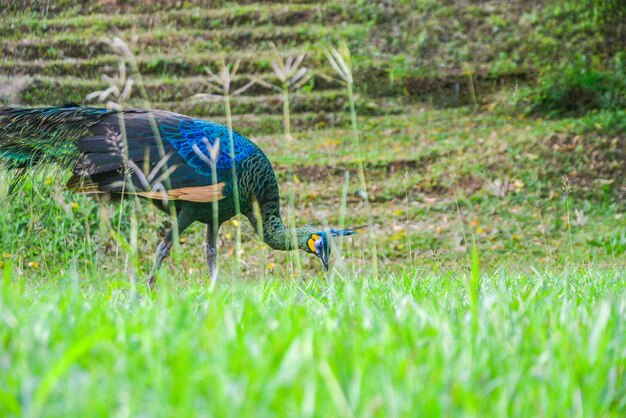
(607, 122)
(577, 87)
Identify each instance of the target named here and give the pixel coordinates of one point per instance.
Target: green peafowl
(192, 164)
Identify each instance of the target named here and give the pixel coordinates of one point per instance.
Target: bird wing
(202, 194)
(182, 159)
(202, 143)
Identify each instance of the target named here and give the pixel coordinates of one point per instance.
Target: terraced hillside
(54, 52)
(63, 59)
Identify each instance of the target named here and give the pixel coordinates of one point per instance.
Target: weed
(223, 83)
(292, 77)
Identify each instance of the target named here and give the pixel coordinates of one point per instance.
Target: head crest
(345, 232)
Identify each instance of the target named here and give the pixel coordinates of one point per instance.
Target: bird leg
(183, 221)
(162, 251)
(211, 252)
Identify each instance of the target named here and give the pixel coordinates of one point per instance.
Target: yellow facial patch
(311, 242)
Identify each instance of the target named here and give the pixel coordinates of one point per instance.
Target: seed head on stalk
(120, 85)
(341, 61)
(223, 83)
(119, 91)
(291, 77)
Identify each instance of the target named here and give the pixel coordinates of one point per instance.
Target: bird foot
(151, 282)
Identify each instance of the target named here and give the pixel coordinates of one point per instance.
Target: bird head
(319, 243)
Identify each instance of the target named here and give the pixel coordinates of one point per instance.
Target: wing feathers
(202, 194)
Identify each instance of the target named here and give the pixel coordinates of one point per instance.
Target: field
(495, 212)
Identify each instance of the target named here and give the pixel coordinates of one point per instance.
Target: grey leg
(162, 251)
(183, 221)
(211, 252)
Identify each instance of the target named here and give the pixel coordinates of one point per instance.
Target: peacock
(202, 170)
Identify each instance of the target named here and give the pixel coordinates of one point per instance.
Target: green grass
(409, 343)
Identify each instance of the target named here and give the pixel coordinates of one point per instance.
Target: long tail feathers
(44, 135)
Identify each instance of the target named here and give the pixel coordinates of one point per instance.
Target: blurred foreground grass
(413, 343)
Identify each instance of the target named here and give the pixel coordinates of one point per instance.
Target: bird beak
(324, 259)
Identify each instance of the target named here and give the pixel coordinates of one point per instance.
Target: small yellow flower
(296, 179)
(270, 266)
(48, 181)
(182, 240)
(398, 235)
(235, 222)
(74, 205)
(515, 237)
(329, 143)
(33, 264)
(480, 230)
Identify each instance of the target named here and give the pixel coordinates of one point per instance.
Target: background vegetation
(498, 126)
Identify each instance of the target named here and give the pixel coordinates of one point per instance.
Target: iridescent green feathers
(44, 135)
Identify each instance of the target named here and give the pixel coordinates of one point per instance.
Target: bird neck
(262, 198)
(275, 233)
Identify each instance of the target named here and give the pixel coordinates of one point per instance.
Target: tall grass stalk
(222, 83)
(342, 64)
(406, 211)
(567, 190)
(127, 57)
(233, 168)
(474, 285)
(343, 244)
(461, 222)
(211, 161)
(256, 208)
(162, 169)
(119, 90)
(544, 235)
(295, 260)
(470, 82)
(292, 77)
(125, 51)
